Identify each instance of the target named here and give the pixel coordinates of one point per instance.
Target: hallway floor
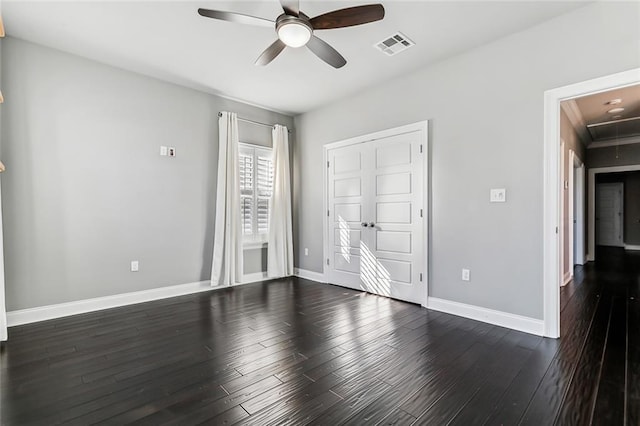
(597, 367)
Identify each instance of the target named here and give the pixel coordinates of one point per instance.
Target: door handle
(364, 224)
(371, 224)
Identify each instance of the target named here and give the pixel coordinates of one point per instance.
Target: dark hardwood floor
(296, 352)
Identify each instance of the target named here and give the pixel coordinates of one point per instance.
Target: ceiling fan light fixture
(294, 32)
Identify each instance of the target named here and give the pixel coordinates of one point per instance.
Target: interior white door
(345, 190)
(609, 214)
(376, 221)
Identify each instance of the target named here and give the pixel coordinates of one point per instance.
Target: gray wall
(627, 155)
(570, 137)
(485, 109)
(86, 190)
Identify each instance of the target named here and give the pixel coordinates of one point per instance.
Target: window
(256, 186)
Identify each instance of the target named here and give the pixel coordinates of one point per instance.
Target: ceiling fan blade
(291, 7)
(270, 52)
(325, 52)
(236, 17)
(348, 17)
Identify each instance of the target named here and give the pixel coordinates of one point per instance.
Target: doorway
(376, 222)
(552, 185)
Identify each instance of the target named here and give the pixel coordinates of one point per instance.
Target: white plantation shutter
(246, 172)
(256, 187)
(246, 211)
(264, 183)
(246, 190)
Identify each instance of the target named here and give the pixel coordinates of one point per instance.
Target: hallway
(595, 376)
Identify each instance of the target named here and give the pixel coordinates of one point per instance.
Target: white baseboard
(255, 277)
(42, 313)
(503, 319)
(566, 279)
(309, 275)
(631, 247)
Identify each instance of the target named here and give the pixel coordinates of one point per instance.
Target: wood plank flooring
(296, 352)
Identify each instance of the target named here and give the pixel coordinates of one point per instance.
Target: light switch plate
(163, 151)
(135, 266)
(498, 195)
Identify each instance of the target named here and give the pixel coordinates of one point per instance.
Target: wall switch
(163, 151)
(134, 266)
(172, 151)
(498, 195)
(306, 251)
(466, 275)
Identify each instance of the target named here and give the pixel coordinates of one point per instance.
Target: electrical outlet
(134, 266)
(171, 152)
(466, 275)
(306, 251)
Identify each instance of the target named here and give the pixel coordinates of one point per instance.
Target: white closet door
(396, 249)
(375, 223)
(347, 210)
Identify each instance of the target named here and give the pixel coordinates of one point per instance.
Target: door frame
(551, 184)
(578, 212)
(563, 240)
(576, 196)
(591, 210)
(423, 128)
(570, 189)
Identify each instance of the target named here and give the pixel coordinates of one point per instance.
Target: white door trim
(572, 213)
(576, 198)
(561, 230)
(420, 126)
(591, 209)
(551, 187)
(579, 192)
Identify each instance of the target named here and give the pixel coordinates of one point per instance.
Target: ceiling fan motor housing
(294, 31)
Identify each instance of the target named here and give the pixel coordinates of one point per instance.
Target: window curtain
(226, 267)
(280, 247)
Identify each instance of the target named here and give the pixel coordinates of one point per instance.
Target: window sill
(253, 245)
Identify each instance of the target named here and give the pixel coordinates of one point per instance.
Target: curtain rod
(257, 123)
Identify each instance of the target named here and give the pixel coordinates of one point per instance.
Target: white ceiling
(170, 41)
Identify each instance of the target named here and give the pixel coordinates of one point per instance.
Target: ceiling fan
(295, 29)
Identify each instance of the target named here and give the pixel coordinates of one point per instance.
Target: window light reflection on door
(375, 278)
(345, 239)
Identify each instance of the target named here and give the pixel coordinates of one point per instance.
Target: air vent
(394, 44)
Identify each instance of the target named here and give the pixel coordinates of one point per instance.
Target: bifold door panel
(375, 217)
